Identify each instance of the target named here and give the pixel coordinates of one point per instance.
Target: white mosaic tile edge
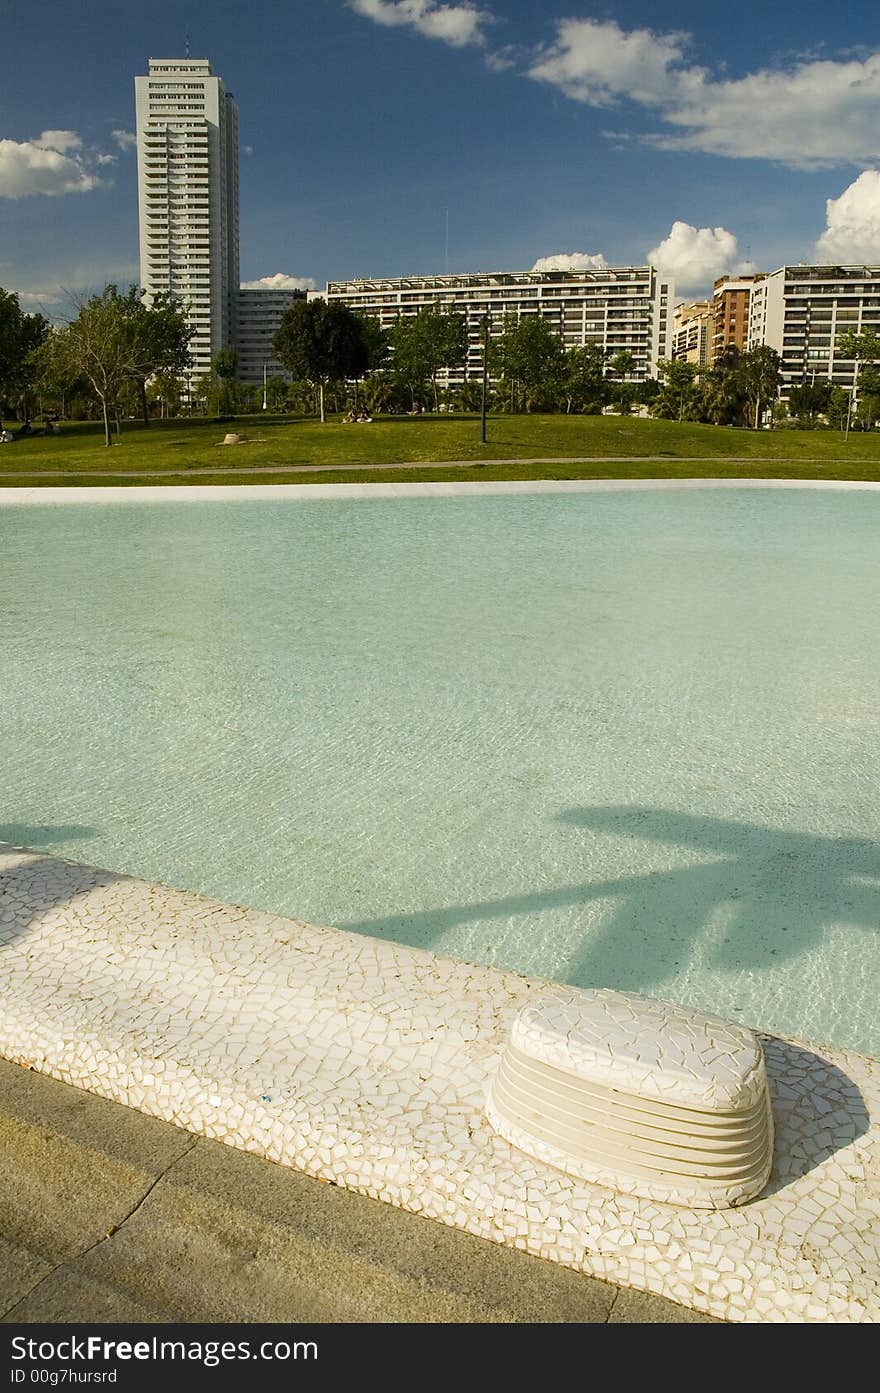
(366, 1063)
(307, 493)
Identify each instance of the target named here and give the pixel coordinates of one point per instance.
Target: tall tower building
(187, 150)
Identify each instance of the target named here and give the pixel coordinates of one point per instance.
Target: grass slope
(568, 447)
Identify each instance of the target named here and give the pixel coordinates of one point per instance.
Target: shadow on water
(775, 892)
(42, 882)
(25, 835)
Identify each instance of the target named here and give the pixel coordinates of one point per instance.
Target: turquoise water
(627, 739)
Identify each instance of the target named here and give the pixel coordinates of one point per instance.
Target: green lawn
(569, 447)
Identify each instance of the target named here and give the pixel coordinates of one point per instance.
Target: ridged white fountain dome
(638, 1094)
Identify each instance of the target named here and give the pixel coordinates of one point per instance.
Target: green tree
(160, 337)
(224, 366)
(409, 365)
(584, 386)
(206, 391)
(34, 332)
(863, 348)
(646, 392)
(426, 343)
(469, 396)
(724, 401)
(166, 392)
(97, 345)
(20, 338)
(321, 341)
(276, 392)
(760, 375)
(531, 357)
(622, 364)
(839, 401)
(679, 398)
(117, 344)
(377, 341)
(869, 396)
(810, 400)
(52, 375)
(379, 392)
(246, 397)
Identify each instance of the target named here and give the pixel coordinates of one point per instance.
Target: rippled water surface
(627, 739)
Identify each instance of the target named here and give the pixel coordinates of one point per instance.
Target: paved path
(298, 467)
(108, 1215)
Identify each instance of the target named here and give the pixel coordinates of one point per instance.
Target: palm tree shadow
(817, 1111)
(779, 890)
(30, 889)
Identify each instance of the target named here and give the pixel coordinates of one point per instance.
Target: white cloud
(55, 289)
(813, 113)
(51, 164)
(596, 62)
(32, 300)
(852, 232)
(59, 140)
(126, 140)
(696, 256)
(503, 59)
(280, 281)
(458, 25)
(571, 261)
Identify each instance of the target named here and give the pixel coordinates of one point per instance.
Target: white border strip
(304, 493)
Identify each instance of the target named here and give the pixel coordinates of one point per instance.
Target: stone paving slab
(21, 1270)
(107, 1159)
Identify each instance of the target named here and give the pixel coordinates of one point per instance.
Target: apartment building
(731, 298)
(802, 312)
(620, 308)
(187, 152)
(258, 316)
(693, 328)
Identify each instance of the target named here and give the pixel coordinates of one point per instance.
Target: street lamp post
(485, 377)
(265, 399)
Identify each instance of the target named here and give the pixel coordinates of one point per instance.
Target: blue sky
(711, 136)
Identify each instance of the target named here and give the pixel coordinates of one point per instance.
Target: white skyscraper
(187, 145)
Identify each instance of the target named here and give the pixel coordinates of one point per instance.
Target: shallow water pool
(627, 739)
